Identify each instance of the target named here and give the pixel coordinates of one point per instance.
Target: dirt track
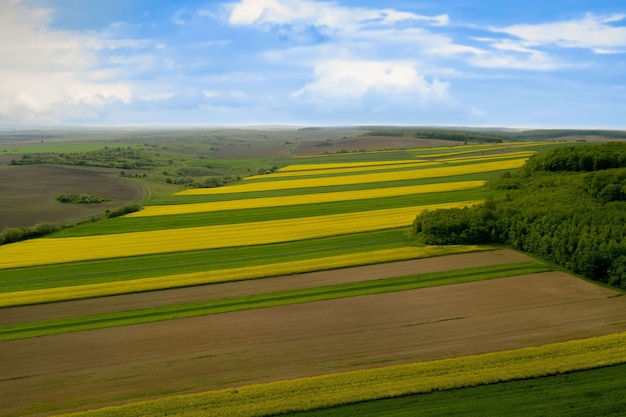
(120, 364)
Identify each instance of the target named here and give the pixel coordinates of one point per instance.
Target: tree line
(123, 158)
(567, 206)
(490, 135)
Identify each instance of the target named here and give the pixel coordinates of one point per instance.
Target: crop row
(75, 292)
(202, 198)
(348, 170)
(70, 249)
(464, 149)
(297, 296)
(290, 200)
(344, 165)
(491, 157)
(361, 178)
(109, 270)
(386, 382)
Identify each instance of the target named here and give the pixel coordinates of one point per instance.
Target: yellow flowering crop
(461, 151)
(387, 382)
(345, 170)
(361, 178)
(224, 275)
(52, 251)
(474, 158)
(305, 199)
(310, 167)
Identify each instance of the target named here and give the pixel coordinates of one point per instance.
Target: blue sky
(530, 63)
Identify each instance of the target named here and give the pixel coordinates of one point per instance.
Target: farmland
(45, 182)
(306, 268)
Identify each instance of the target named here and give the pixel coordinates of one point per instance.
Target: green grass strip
(238, 216)
(147, 315)
(596, 392)
(276, 398)
(137, 267)
(186, 199)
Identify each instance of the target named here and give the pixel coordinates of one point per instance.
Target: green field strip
(180, 221)
(110, 270)
(188, 199)
(331, 292)
(365, 170)
(352, 156)
(595, 392)
(473, 159)
(360, 386)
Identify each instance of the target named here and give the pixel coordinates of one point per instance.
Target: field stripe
(491, 157)
(334, 171)
(386, 382)
(77, 292)
(360, 178)
(305, 199)
(330, 292)
(345, 165)
(52, 251)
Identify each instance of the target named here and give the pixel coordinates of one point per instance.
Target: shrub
(129, 208)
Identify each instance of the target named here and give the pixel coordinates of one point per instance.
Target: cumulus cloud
(593, 32)
(352, 81)
(48, 75)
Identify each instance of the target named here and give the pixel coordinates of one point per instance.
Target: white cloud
(351, 81)
(510, 54)
(232, 98)
(322, 14)
(157, 96)
(177, 18)
(592, 32)
(476, 112)
(48, 75)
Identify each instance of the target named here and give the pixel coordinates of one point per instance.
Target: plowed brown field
(100, 367)
(28, 193)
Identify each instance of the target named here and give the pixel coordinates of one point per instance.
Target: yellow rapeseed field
(386, 382)
(361, 178)
(342, 165)
(305, 199)
(494, 156)
(52, 251)
(461, 150)
(345, 170)
(224, 275)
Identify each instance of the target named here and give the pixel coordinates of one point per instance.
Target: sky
(522, 64)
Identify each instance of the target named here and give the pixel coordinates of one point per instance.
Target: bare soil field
(116, 365)
(29, 191)
(125, 302)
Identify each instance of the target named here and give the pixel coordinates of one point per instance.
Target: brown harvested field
(100, 367)
(28, 193)
(40, 312)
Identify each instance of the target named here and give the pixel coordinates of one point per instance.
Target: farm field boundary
(76, 292)
(354, 289)
(305, 199)
(204, 198)
(126, 363)
(388, 382)
(108, 270)
(282, 184)
(70, 249)
(590, 392)
(255, 215)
